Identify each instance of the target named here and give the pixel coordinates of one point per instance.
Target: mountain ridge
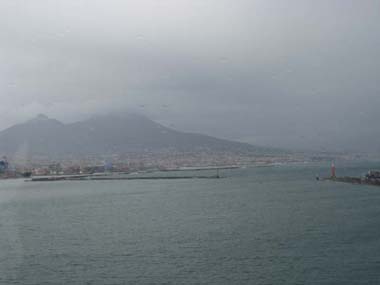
(104, 135)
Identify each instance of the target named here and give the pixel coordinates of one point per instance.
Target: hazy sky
(303, 74)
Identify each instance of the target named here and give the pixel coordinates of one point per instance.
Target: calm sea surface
(272, 225)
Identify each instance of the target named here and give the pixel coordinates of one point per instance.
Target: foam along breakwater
(116, 177)
(56, 178)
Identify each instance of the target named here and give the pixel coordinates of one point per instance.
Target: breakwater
(104, 178)
(354, 180)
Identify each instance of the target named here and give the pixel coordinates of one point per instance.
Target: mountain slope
(104, 135)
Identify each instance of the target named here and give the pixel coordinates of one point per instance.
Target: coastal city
(10, 168)
(152, 161)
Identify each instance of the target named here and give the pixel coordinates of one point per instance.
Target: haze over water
(268, 225)
(123, 86)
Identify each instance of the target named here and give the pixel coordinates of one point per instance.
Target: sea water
(266, 225)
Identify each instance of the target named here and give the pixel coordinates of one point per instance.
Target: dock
(353, 180)
(371, 178)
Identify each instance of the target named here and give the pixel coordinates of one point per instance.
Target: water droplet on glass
(140, 37)
(223, 59)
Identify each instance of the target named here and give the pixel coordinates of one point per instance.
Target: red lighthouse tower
(333, 175)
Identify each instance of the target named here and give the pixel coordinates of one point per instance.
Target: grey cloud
(299, 74)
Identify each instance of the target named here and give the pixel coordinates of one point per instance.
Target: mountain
(104, 135)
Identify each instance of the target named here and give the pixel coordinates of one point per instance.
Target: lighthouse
(333, 175)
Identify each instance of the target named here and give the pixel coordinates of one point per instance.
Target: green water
(274, 225)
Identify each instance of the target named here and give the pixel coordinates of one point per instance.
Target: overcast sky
(299, 74)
